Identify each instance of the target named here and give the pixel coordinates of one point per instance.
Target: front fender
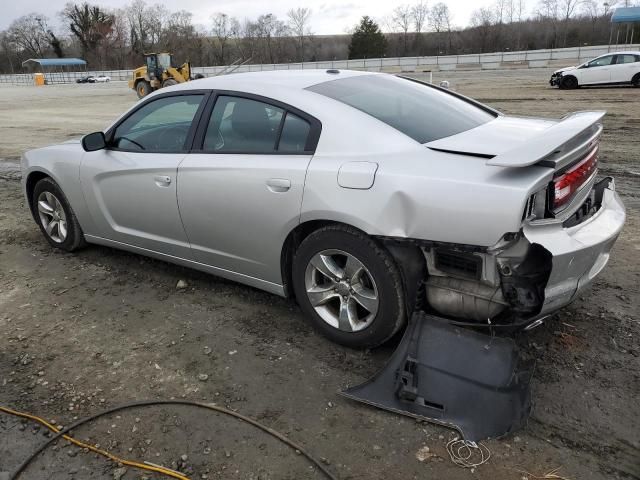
(61, 163)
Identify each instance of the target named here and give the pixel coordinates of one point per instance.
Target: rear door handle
(278, 185)
(162, 180)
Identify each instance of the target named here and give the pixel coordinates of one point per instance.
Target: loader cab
(157, 63)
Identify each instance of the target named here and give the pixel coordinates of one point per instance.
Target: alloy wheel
(52, 217)
(341, 290)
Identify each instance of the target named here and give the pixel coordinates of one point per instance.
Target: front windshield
(421, 112)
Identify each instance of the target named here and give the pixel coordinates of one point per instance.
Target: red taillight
(570, 181)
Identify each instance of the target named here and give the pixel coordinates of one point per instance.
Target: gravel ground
(87, 331)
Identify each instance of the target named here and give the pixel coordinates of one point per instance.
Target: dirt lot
(83, 332)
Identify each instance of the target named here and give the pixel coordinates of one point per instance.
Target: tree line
(118, 38)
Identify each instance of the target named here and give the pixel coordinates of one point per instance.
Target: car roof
(292, 79)
(628, 52)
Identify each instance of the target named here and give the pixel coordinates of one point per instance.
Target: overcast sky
(328, 16)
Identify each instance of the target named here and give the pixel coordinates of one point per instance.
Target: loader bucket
(470, 381)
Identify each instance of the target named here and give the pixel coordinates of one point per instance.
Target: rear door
(597, 70)
(240, 189)
(627, 65)
(130, 187)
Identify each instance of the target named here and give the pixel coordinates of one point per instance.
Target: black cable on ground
(148, 403)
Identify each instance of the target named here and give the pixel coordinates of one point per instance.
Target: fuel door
(357, 175)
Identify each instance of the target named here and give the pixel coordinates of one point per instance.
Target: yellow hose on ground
(104, 453)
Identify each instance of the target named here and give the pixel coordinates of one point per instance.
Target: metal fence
(482, 61)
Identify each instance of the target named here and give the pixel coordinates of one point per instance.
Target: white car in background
(616, 68)
(102, 79)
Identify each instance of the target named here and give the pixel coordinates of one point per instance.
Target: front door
(130, 187)
(241, 196)
(597, 71)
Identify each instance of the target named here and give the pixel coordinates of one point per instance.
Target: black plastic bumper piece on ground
(470, 381)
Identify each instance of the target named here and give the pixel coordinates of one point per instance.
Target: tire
(143, 88)
(338, 309)
(70, 237)
(635, 81)
(169, 82)
(198, 76)
(569, 83)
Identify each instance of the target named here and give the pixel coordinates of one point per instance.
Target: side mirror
(94, 141)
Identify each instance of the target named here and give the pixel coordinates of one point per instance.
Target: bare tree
(146, 24)
(568, 8)
(440, 21)
(299, 25)
(90, 24)
(271, 33)
(520, 7)
(501, 9)
(608, 6)
(401, 20)
(483, 20)
(548, 12)
(420, 15)
(29, 33)
(179, 35)
(221, 32)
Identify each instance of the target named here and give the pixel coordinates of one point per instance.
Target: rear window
(417, 110)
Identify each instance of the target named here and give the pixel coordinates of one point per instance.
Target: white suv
(613, 68)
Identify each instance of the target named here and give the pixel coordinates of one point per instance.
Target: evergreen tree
(367, 41)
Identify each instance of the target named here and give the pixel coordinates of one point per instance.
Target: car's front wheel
(569, 83)
(54, 216)
(635, 81)
(348, 286)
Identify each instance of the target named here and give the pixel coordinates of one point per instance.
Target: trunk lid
(493, 138)
(521, 142)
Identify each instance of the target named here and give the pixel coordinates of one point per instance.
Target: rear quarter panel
(423, 194)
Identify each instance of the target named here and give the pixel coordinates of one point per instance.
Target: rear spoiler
(556, 146)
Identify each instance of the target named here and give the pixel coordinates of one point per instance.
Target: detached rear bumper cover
(579, 252)
(473, 382)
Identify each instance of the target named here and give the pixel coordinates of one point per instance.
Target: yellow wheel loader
(158, 72)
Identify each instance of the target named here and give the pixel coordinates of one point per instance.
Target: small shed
(56, 70)
(626, 19)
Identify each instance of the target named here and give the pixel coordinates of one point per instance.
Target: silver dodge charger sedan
(365, 195)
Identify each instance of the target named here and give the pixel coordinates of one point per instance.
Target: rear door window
(627, 58)
(295, 132)
(242, 125)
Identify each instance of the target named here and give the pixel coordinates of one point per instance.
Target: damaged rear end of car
(568, 227)
(458, 363)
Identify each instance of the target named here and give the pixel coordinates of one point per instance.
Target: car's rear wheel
(635, 81)
(569, 83)
(349, 287)
(143, 88)
(55, 217)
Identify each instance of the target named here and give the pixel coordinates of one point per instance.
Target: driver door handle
(278, 185)
(162, 180)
